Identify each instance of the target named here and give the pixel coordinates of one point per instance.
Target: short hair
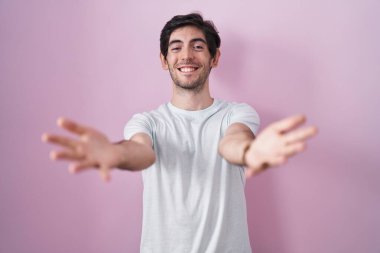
(193, 19)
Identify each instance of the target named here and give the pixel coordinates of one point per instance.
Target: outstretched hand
(276, 143)
(91, 150)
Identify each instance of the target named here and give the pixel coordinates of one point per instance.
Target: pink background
(97, 62)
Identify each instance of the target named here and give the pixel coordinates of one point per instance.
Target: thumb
(249, 172)
(105, 173)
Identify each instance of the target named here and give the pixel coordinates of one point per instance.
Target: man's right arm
(93, 150)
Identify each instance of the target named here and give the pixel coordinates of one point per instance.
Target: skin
(272, 147)
(92, 149)
(189, 63)
(186, 49)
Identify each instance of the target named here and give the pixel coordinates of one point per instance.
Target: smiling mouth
(187, 69)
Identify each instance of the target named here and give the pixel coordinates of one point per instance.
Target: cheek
(170, 61)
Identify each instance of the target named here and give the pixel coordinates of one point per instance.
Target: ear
(215, 60)
(164, 62)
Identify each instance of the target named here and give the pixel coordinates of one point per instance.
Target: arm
(272, 147)
(94, 150)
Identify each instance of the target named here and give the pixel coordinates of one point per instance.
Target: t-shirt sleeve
(245, 114)
(139, 123)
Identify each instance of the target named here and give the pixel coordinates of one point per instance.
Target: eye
(175, 49)
(198, 47)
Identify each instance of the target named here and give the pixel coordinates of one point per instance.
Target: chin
(190, 87)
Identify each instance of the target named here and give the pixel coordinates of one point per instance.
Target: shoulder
(244, 113)
(236, 107)
(152, 114)
(144, 122)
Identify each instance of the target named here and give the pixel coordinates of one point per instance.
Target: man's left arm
(272, 147)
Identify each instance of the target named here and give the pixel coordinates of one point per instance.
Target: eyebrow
(191, 41)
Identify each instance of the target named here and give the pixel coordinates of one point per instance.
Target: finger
(66, 155)
(289, 123)
(294, 149)
(71, 126)
(274, 162)
(60, 140)
(277, 161)
(105, 173)
(250, 172)
(81, 166)
(300, 134)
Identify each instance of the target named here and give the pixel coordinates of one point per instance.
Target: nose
(186, 53)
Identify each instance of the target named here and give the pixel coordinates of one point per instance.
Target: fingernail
(53, 155)
(72, 170)
(106, 178)
(60, 121)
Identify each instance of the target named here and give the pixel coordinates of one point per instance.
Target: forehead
(186, 33)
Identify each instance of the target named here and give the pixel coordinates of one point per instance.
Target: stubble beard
(195, 86)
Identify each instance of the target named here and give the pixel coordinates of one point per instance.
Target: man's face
(189, 61)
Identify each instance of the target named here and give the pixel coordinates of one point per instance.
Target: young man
(194, 152)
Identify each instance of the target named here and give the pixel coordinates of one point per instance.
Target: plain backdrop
(98, 62)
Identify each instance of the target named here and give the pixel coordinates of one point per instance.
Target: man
(194, 152)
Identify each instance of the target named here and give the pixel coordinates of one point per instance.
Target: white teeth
(187, 69)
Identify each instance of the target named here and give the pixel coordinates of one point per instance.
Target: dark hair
(192, 19)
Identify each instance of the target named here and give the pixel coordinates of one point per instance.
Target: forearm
(272, 147)
(133, 156)
(233, 147)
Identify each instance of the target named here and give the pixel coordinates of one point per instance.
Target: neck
(191, 100)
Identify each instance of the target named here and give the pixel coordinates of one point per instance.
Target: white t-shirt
(193, 200)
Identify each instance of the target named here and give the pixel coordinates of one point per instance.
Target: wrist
(119, 155)
(253, 159)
